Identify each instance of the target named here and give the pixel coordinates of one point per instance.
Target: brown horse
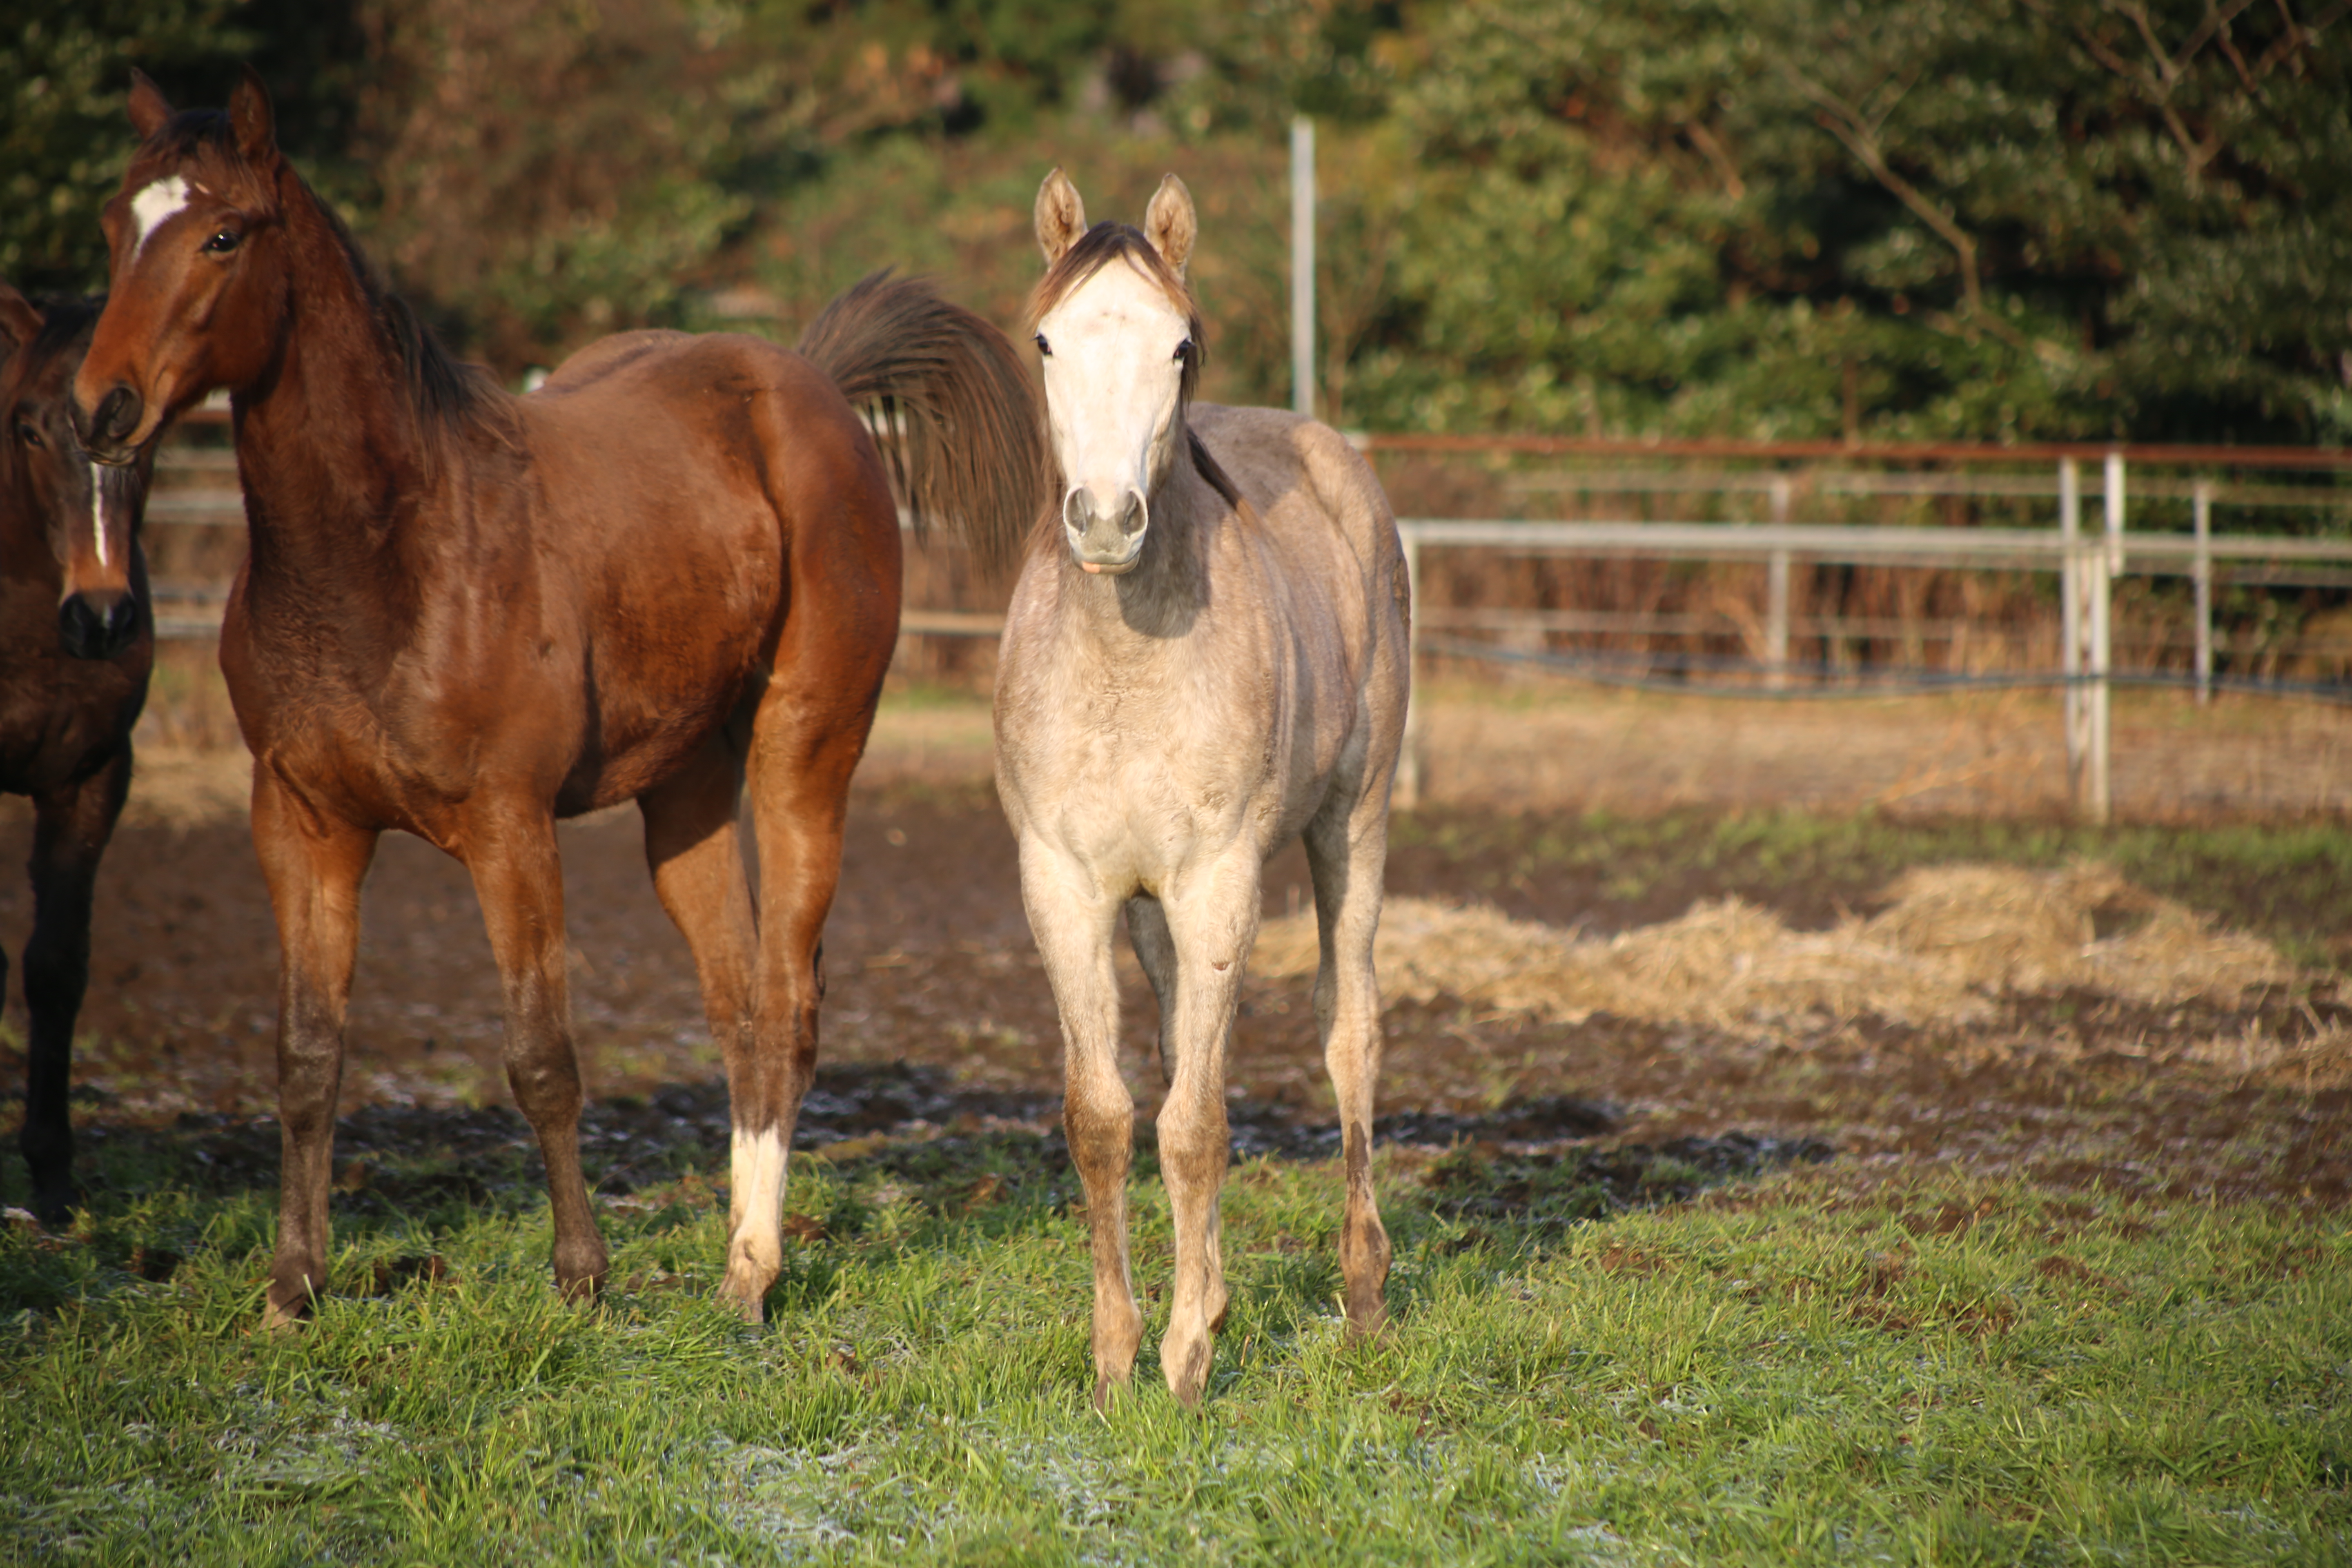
(77, 640)
(466, 615)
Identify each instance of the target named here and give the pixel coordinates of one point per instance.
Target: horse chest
(53, 724)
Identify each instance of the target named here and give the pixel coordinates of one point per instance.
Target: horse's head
(89, 513)
(1121, 340)
(196, 239)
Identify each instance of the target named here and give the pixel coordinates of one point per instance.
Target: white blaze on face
(1112, 381)
(97, 510)
(153, 207)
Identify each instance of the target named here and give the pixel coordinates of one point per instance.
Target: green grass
(1812, 1368)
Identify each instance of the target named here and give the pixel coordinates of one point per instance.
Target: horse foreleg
(70, 829)
(1072, 922)
(1213, 924)
(518, 878)
(1347, 852)
(314, 865)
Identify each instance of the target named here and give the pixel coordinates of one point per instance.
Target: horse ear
(249, 116)
(20, 323)
(1170, 225)
(149, 112)
(1060, 217)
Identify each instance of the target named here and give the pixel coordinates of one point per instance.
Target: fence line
(2087, 560)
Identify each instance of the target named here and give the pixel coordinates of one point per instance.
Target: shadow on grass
(912, 1157)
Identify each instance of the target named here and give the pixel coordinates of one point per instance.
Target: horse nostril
(95, 631)
(117, 416)
(79, 629)
(1077, 509)
(1131, 520)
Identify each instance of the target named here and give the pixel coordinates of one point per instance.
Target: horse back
(1310, 489)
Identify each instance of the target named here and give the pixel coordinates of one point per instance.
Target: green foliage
(2028, 218)
(2037, 219)
(64, 65)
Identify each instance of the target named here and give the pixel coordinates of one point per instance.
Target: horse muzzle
(1106, 539)
(106, 432)
(99, 624)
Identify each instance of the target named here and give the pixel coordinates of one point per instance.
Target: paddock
(1548, 817)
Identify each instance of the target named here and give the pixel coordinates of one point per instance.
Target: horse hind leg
(1347, 852)
(518, 879)
(70, 830)
(697, 860)
(805, 742)
(314, 867)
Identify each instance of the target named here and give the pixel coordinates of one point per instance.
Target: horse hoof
(278, 1322)
(1189, 1378)
(582, 1291)
(750, 1304)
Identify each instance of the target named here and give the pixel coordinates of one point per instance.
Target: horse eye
(1185, 351)
(226, 240)
(30, 437)
(1043, 347)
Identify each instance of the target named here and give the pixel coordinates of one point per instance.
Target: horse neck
(327, 436)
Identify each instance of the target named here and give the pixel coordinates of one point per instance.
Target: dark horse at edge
(77, 642)
(464, 615)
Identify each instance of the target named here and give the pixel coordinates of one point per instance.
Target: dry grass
(1952, 939)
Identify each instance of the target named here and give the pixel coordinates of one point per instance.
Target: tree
(1802, 216)
(65, 65)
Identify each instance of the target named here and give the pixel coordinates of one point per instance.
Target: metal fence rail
(197, 488)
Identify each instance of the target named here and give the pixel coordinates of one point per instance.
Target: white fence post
(1776, 595)
(2070, 622)
(2110, 563)
(2202, 573)
(1406, 792)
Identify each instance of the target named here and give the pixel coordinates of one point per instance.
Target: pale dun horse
(1205, 660)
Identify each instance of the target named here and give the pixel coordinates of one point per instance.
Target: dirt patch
(2079, 1074)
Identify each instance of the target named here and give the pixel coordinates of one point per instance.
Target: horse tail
(960, 426)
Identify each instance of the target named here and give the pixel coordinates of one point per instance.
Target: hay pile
(1951, 937)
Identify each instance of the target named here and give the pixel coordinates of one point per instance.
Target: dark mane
(66, 320)
(445, 394)
(1098, 248)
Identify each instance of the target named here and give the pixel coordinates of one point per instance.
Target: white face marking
(97, 510)
(1112, 382)
(154, 206)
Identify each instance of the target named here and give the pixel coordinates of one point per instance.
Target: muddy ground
(930, 965)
